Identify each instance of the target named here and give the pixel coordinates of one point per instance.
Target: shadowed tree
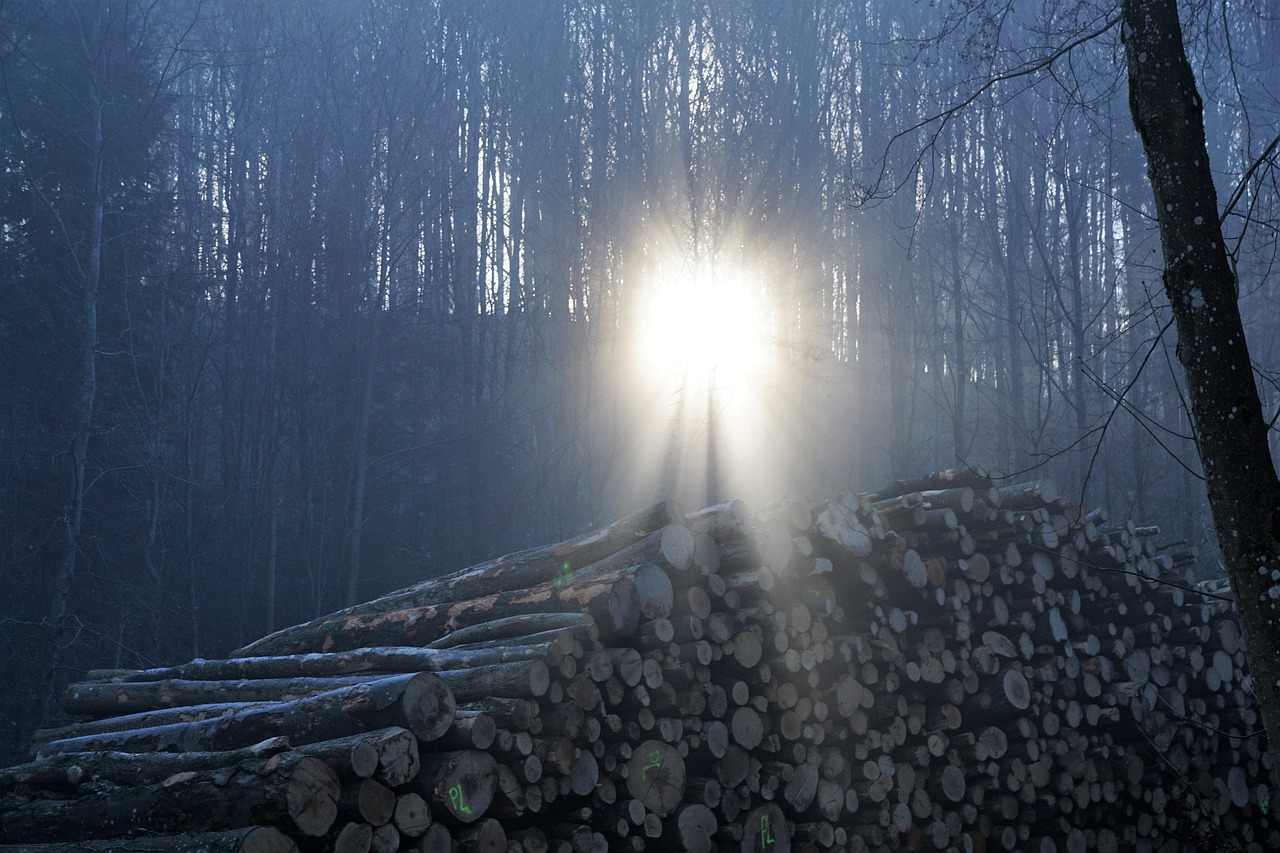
(1230, 426)
(85, 102)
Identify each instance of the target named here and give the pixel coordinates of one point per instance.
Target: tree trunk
(73, 512)
(1230, 428)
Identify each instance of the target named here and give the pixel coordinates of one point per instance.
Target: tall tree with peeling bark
(1230, 429)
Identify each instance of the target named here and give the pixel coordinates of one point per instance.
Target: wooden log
(437, 839)
(951, 478)
(693, 830)
(486, 837)
(614, 600)
(297, 790)
(728, 520)
(368, 801)
(517, 714)
(412, 815)
(252, 839)
(655, 776)
(837, 524)
(352, 662)
(173, 716)
(351, 837)
(764, 830)
(514, 627)
(794, 510)
(420, 703)
(518, 680)
(526, 569)
(470, 730)
(459, 785)
(388, 755)
(67, 771)
(1024, 496)
(146, 703)
(386, 839)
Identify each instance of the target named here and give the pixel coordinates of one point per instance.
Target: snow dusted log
(837, 522)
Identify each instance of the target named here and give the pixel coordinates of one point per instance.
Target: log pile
(946, 664)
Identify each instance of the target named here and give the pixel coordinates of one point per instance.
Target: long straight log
(259, 682)
(253, 839)
(158, 703)
(615, 601)
(67, 771)
(420, 702)
(515, 626)
(513, 572)
(358, 661)
(299, 791)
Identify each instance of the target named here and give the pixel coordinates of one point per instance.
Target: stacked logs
(946, 664)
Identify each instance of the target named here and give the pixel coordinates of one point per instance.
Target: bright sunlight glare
(705, 321)
(709, 407)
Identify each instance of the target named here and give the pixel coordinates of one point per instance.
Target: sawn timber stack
(947, 664)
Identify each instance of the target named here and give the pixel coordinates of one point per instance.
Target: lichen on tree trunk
(1229, 426)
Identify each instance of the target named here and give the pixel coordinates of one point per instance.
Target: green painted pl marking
(766, 831)
(655, 762)
(459, 801)
(564, 575)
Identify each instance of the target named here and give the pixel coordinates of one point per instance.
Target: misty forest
(305, 301)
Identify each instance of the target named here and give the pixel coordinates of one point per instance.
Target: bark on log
(420, 703)
(525, 569)
(388, 755)
(520, 680)
(296, 790)
(614, 601)
(516, 626)
(67, 771)
(253, 839)
(353, 662)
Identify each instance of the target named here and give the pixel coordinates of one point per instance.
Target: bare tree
(1230, 426)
